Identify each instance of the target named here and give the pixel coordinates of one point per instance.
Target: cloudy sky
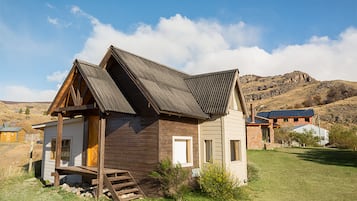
(39, 40)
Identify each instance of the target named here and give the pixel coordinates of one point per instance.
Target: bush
(218, 183)
(172, 179)
(343, 137)
(306, 138)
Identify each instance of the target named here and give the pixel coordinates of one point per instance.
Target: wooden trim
(76, 108)
(101, 149)
(58, 147)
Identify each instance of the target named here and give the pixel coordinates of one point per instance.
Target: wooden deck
(85, 170)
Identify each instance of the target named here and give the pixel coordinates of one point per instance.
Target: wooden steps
(122, 186)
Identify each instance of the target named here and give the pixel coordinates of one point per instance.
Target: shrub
(218, 183)
(172, 178)
(343, 137)
(306, 138)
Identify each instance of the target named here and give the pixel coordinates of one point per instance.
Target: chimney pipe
(252, 113)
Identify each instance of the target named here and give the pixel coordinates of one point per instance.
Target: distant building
(260, 132)
(323, 134)
(11, 134)
(289, 117)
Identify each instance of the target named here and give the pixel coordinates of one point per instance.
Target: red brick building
(289, 117)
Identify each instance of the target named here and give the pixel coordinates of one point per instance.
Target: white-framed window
(208, 151)
(235, 150)
(182, 150)
(65, 151)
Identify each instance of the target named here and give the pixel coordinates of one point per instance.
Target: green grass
(304, 174)
(285, 174)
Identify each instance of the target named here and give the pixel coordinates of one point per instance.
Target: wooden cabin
(12, 134)
(136, 112)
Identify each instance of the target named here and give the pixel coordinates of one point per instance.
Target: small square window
(182, 150)
(235, 150)
(286, 119)
(296, 119)
(307, 119)
(208, 151)
(275, 120)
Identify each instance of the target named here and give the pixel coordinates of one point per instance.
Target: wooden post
(31, 154)
(100, 163)
(58, 147)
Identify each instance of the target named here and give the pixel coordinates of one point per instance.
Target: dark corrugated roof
(164, 87)
(104, 90)
(212, 90)
(287, 113)
(10, 129)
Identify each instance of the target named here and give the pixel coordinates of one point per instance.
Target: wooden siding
(234, 129)
(131, 144)
(173, 126)
(73, 130)
(212, 130)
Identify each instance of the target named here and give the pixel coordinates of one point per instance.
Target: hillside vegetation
(14, 114)
(333, 101)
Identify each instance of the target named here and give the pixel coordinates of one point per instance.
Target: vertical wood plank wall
(131, 144)
(174, 126)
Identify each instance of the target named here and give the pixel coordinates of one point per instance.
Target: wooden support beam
(101, 149)
(58, 147)
(76, 108)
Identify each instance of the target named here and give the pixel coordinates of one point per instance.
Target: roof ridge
(162, 65)
(211, 73)
(86, 63)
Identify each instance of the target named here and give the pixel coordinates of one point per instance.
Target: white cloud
(50, 5)
(53, 21)
(198, 46)
(22, 93)
(57, 76)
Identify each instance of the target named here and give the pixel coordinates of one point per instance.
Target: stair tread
(122, 185)
(136, 196)
(126, 191)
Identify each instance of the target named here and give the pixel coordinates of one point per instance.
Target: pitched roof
(102, 87)
(164, 87)
(212, 90)
(10, 129)
(287, 113)
(104, 90)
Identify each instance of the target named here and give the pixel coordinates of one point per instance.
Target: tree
(27, 111)
(343, 137)
(20, 111)
(283, 135)
(306, 138)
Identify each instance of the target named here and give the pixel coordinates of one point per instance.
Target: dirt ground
(17, 154)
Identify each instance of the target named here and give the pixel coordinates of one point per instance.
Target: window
(208, 151)
(296, 119)
(266, 134)
(182, 150)
(286, 119)
(307, 119)
(235, 150)
(275, 120)
(65, 152)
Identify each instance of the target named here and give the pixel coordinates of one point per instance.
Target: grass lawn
(285, 174)
(304, 174)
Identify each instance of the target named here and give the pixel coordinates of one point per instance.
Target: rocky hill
(333, 101)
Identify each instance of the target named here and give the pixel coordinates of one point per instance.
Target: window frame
(266, 134)
(53, 150)
(189, 148)
(205, 160)
(237, 157)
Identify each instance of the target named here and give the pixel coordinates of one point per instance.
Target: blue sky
(40, 39)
